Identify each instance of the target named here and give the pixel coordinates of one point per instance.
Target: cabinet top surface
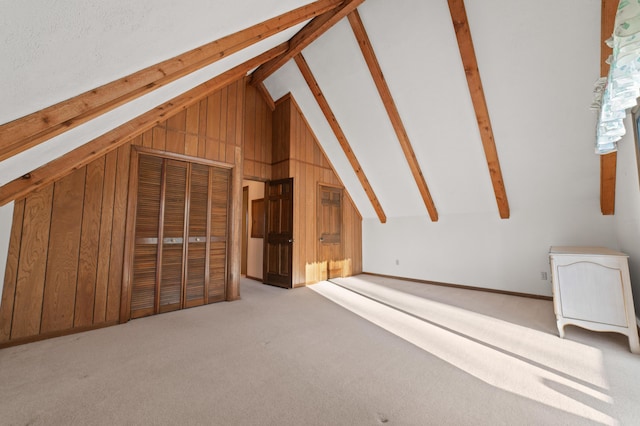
(579, 250)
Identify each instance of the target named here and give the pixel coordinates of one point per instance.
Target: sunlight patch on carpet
(513, 358)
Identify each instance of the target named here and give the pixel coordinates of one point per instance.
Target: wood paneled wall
(258, 119)
(65, 264)
(297, 154)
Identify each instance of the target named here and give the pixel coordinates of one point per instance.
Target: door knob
(291, 240)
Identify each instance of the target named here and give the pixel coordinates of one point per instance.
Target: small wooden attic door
(181, 228)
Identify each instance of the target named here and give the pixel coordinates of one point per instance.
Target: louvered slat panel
(218, 236)
(197, 253)
(145, 253)
(173, 235)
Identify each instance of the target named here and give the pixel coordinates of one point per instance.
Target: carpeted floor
(350, 353)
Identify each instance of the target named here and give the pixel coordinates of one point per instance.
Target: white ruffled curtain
(617, 92)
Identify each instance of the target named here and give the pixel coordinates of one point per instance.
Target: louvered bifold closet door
(180, 255)
(219, 219)
(196, 278)
(145, 262)
(173, 226)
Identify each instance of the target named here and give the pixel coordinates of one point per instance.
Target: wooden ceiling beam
(470, 63)
(392, 111)
(111, 140)
(608, 162)
(305, 37)
(33, 129)
(337, 130)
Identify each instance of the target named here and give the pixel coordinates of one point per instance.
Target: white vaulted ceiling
(537, 67)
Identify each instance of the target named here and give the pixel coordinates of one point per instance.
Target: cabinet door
(219, 225)
(592, 292)
(145, 258)
(196, 278)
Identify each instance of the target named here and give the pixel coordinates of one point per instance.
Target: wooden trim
(470, 63)
(129, 245)
(463, 287)
(608, 162)
(266, 95)
(342, 139)
(234, 243)
(253, 278)
(181, 157)
(394, 116)
(111, 140)
(33, 129)
(608, 169)
(43, 336)
(314, 29)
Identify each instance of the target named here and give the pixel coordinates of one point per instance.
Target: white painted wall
(6, 217)
(255, 246)
(481, 250)
(627, 217)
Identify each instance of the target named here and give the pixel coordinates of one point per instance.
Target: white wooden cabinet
(592, 289)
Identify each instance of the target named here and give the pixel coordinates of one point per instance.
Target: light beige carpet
(325, 355)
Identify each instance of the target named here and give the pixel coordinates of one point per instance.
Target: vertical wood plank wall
(297, 154)
(65, 262)
(258, 119)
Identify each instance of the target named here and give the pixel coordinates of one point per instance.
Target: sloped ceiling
(537, 66)
(537, 60)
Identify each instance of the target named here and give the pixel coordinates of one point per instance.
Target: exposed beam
(470, 63)
(111, 140)
(392, 111)
(608, 162)
(305, 37)
(33, 129)
(337, 130)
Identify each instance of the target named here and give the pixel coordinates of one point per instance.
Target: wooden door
(278, 241)
(329, 220)
(181, 227)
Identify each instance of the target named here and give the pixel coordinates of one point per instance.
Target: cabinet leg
(560, 329)
(634, 345)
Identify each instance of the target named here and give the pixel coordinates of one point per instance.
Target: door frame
(132, 204)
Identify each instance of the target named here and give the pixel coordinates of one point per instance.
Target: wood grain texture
(69, 251)
(11, 272)
(266, 96)
(342, 139)
(111, 140)
(89, 244)
(468, 55)
(608, 162)
(64, 247)
(308, 165)
(27, 310)
(258, 118)
(104, 247)
(392, 111)
(307, 35)
(33, 129)
(117, 233)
